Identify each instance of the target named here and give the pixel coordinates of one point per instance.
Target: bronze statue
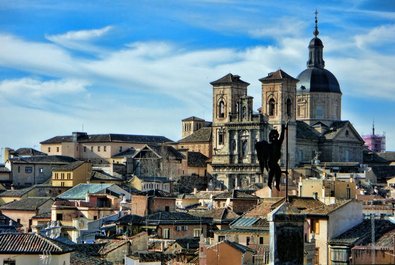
(269, 154)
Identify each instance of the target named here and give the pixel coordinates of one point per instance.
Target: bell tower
(278, 104)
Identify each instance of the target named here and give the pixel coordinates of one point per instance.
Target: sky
(140, 67)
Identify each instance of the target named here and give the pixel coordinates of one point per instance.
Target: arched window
(221, 136)
(272, 107)
(289, 108)
(221, 109)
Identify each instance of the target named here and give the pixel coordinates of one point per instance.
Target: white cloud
(378, 37)
(80, 35)
(81, 39)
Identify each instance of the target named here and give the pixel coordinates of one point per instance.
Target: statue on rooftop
(269, 154)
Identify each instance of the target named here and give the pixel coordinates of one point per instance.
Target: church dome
(316, 79)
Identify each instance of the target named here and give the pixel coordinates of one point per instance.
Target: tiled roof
(335, 128)
(111, 244)
(80, 258)
(156, 193)
(45, 159)
(30, 244)
(173, 218)
(263, 208)
(130, 219)
(130, 152)
(27, 152)
(223, 215)
(151, 256)
(201, 135)
(277, 75)
(196, 159)
(167, 151)
(99, 138)
(229, 79)
(80, 191)
(190, 243)
(16, 193)
(383, 172)
(70, 166)
(389, 156)
(154, 179)
(193, 118)
(235, 245)
(361, 234)
(304, 131)
(28, 204)
(235, 194)
(101, 175)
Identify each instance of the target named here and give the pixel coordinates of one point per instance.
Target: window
(315, 226)
(9, 262)
(120, 149)
(19, 169)
(220, 137)
(57, 149)
(40, 170)
(104, 148)
(18, 221)
(61, 175)
(167, 209)
(68, 175)
(272, 107)
(261, 240)
(248, 240)
(91, 148)
(62, 183)
(166, 233)
(28, 170)
(56, 175)
(84, 148)
(221, 238)
(348, 190)
(221, 109)
(59, 217)
(98, 148)
(197, 232)
(49, 149)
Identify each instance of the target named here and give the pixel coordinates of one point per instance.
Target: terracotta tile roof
(111, 244)
(30, 244)
(201, 135)
(80, 258)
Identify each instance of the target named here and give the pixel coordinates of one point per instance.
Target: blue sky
(140, 67)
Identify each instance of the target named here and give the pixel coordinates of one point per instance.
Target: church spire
(316, 32)
(316, 48)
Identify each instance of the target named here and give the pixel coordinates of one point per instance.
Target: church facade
(310, 105)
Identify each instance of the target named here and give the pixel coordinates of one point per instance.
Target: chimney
(194, 190)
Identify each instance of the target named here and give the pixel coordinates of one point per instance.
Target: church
(309, 104)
